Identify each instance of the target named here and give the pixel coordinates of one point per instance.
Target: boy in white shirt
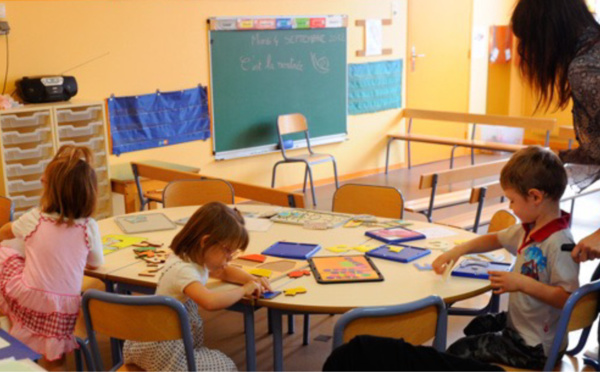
(543, 277)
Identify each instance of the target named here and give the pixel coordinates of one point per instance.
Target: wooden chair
(382, 201)
(197, 192)
(7, 209)
(135, 318)
(296, 123)
(416, 322)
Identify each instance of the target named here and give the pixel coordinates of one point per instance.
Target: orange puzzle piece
(298, 274)
(254, 257)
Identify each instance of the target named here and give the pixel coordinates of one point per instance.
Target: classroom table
(403, 283)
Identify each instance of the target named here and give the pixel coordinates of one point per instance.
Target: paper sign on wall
(373, 37)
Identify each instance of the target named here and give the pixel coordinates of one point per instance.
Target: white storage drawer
(13, 170)
(23, 201)
(69, 115)
(16, 121)
(15, 153)
(71, 131)
(94, 144)
(39, 135)
(99, 158)
(21, 186)
(18, 214)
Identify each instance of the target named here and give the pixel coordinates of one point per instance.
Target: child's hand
(263, 284)
(440, 263)
(503, 281)
(252, 289)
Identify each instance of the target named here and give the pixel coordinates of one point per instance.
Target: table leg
(276, 320)
(250, 343)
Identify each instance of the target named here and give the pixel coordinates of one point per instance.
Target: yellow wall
(146, 45)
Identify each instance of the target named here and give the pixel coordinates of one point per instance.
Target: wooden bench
(432, 181)
(244, 190)
(493, 190)
(474, 119)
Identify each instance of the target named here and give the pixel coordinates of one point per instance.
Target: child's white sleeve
(511, 237)
(95, 256)
(26, 224)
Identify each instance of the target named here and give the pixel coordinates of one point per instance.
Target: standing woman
(559, 50)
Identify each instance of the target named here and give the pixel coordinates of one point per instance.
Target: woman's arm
(588, 248)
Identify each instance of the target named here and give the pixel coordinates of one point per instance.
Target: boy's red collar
(546, 231)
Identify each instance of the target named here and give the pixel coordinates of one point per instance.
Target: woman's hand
(588, 248)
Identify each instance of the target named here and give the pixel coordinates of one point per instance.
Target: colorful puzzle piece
(363, 248)
(136, 219)
(339, 248)
(299, 274)
(353, 223)
(424, 267)
(294, 291)
(113, 242)
(261, 272)
(438, 244)
(270, 295)
(254, 257)
(395, 248)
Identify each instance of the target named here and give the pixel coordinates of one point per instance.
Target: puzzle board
(278, 266)
(344, 269)
(114, 242)
(300, 216)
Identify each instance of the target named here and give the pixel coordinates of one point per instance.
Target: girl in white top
(201, 249)
(40, 283)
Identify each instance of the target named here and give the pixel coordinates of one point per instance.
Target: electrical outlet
(4, 28)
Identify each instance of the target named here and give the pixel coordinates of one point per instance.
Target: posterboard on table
(344, 269)
(262, 67)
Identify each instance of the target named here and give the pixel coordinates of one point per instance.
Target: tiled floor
(224, 330)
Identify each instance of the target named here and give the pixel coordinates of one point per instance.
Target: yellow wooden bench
(465, 119)
(433, 181)
(243, 190)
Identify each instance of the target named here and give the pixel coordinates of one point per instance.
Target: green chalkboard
(258, 75)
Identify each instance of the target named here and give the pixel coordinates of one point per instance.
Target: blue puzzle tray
(407, 254)
(297, 251)
(479, 269)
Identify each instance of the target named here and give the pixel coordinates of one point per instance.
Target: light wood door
(441, 31)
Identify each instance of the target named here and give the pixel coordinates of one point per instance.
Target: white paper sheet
(436, 232)
(258, 224)
(373, 39)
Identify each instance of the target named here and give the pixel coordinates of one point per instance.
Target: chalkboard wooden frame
(243, 116)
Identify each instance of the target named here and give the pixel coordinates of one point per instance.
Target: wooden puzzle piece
(395, 249)
(253, 257)
(148, 244)
(363, 248)
(144, 253)
(353, 223)
(270, 295)
(438, 244)
(279, 266)
(424, 267)
(120, 241)
(338, 248)
(448, 270)
(299, 274)
(261, 272)
(155, 269)
(147, 273)
(294, 291)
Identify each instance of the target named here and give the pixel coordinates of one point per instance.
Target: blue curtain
(158, 119)
(374, 86)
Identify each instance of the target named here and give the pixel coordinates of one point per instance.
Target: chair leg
(408, 155)
(312, 185)
(87, 356)
(335, 174)
(274, 174)
(452, 157)
(387, 156)
(305, 179)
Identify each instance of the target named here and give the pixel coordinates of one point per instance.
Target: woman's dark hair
(548, 32)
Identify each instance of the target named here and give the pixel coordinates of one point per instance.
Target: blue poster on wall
(158, 119)
(374, 86)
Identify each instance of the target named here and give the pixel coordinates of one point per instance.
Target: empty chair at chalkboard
(296, 123)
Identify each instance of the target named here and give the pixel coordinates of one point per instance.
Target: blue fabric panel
(375, 86)
(158, 119)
